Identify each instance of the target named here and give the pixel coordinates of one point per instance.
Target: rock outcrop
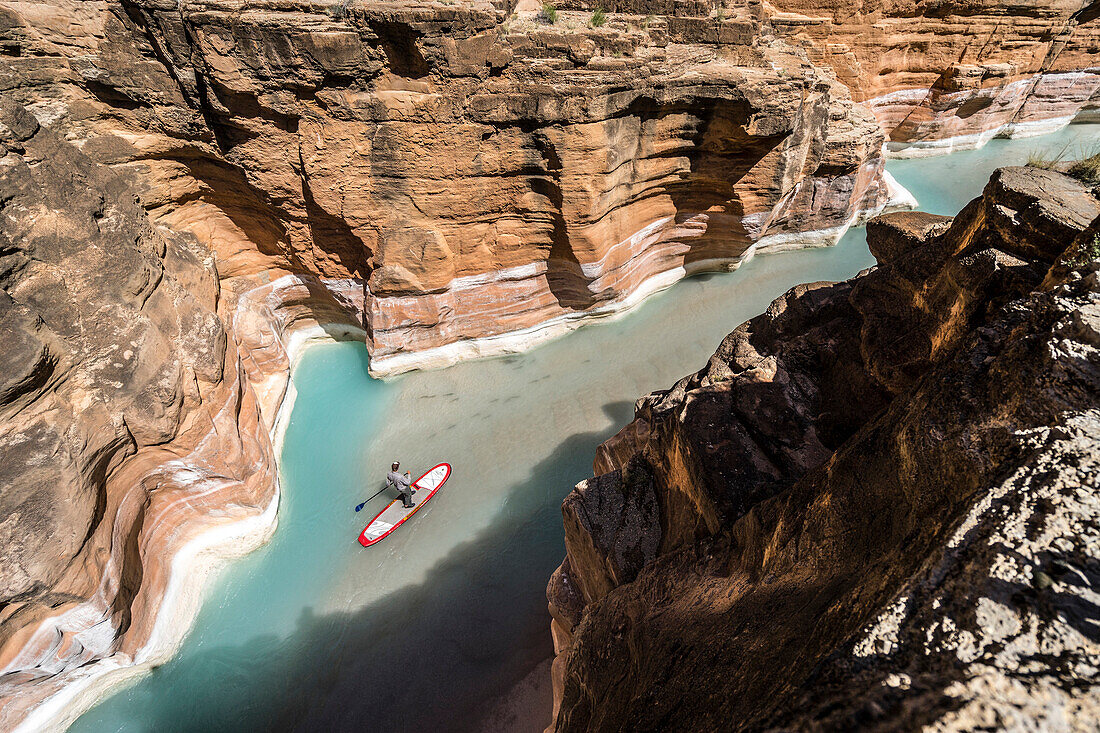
(951, 75)
(876, 506)
(940, 75)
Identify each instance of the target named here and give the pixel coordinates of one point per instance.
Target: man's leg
(406, 498)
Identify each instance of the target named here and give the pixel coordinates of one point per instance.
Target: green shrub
(1086, 170)
(598, 18)
(339, 10)
(549, 13)
(1084, 254)
(1039, 159)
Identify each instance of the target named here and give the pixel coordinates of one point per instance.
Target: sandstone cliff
(490, 181)
(876, 506)
(950, 74)
(123, 415)
(938, 74)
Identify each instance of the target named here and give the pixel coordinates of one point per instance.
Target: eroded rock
(920, 550)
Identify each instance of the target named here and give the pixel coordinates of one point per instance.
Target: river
(445, 621)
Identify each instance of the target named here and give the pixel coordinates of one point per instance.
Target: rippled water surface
(445, 621)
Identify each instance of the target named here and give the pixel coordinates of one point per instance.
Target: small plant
(720, 13)
(339, 11)
(598, 17)
(549, 13)
(1037, 159)
(1040, 159)
(648, 21)
(1086, 170)
(1084, 254)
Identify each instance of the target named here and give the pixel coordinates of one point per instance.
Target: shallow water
(427, 629)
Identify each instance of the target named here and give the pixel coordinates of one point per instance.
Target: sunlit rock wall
(492, 180)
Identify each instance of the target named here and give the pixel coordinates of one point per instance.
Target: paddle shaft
(374, 495)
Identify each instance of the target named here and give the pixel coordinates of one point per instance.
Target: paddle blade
(360, 506)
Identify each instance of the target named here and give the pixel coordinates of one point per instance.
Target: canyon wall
(138, 399)
(876, 506)
(126, 427)
(940, 75)
(491, 181)
(952, 75)
(202, 185)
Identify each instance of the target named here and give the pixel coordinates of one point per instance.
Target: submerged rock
(878, 502)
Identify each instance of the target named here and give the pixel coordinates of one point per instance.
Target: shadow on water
(428, 657)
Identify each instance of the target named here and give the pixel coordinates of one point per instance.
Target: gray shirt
(399, 480)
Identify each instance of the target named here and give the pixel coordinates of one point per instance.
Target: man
(402, 483)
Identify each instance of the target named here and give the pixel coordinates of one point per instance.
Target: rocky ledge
(876, 506)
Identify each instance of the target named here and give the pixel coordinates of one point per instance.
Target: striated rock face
(138, 396)
(940, 76)
(876, 506)
(491, 181)
(953, 74)
(123, 415)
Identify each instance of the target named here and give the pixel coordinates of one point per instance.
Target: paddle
(371, 497)
(376, 494)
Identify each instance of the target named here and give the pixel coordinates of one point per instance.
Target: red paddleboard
(394, 515)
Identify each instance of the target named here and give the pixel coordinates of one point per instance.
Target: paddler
(401, 482)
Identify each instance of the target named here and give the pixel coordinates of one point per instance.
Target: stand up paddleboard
(395, 513)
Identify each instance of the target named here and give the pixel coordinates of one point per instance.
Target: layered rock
(491, 181)
(124, 419)
(876, 506)
(494, 179)
(135, 446)
(943, 76)
(939, 76)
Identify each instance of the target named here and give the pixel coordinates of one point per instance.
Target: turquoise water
(438, 623)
